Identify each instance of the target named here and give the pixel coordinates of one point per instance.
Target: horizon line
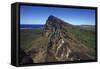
(44, 24)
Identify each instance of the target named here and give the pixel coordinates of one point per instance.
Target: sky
(39, 15)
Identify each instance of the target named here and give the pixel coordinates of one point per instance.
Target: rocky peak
(56, 39)
(52, 20)
(53, 24)
(61, 44)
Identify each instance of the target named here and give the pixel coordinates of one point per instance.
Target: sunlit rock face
(57, 49)
(62, 46)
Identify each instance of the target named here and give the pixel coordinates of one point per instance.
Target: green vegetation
(27, 36)
(33, 43)
(86, 37)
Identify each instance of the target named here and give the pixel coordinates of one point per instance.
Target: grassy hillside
(33, 43)
(86, 37)
(27, 36)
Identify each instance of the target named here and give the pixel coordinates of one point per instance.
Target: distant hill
(87, 27)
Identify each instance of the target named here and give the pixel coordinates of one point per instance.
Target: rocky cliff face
(61, 44)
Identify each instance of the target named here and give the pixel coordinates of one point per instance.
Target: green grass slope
(86, 37)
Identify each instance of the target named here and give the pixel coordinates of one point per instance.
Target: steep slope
(62, 44)
(58, 41)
